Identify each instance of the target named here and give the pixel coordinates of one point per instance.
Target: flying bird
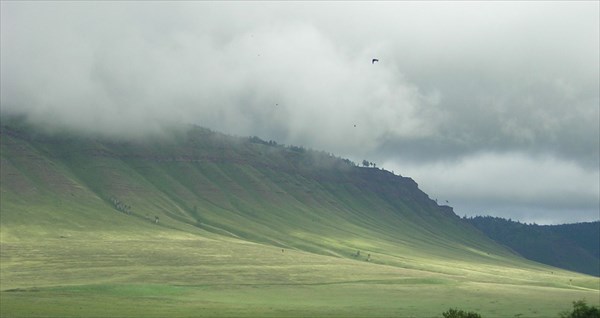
(374, 60)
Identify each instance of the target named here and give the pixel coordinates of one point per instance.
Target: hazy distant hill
(574, 247)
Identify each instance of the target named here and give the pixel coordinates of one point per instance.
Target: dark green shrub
(456, 313)
(581, 310)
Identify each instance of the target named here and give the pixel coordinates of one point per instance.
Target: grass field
(179, 275)
(245, 230)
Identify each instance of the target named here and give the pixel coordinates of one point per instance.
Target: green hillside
(196, 223)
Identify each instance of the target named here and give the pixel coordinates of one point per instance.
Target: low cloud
(459, 85)
(288, 82)
(539, 188)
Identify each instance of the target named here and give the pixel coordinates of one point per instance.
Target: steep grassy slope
(287, 197)
(243, 226)
(570, 246)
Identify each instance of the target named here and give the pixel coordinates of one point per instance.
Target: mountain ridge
(197, 170)
(208, 156)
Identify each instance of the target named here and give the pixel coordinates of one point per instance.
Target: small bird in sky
(374, 60)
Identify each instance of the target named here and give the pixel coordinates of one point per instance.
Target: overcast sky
(492, 106)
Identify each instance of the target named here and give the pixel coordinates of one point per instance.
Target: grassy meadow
(245, 230)
(181, 275)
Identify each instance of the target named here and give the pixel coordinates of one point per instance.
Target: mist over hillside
(298, 159)
(455, 91)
